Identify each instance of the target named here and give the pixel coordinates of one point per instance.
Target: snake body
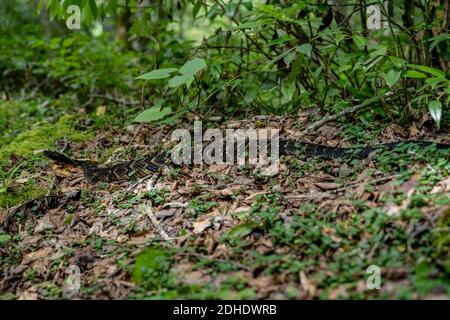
(122, 171)
(145, 166)
(288, 146)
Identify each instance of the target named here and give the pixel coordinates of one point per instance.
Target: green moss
(42, 136)
(30, 191)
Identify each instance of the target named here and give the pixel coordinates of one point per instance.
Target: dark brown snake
(145, 166)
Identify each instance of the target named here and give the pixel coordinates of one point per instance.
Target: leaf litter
(220, 231)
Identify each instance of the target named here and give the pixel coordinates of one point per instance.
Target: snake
(148, 165)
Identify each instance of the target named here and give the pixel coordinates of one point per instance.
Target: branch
(330, 117)
(148, 209)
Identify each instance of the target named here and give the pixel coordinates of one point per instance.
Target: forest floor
(219, 231)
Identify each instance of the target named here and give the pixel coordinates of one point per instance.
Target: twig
(148, 209)
(134, 185)
(357, 183)
(331, 117)
(51, 186)
(321, 195)
(175, 205)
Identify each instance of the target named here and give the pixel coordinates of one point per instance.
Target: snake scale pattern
(95, 173)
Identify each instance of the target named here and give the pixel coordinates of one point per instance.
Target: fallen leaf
(29, 294)
(36, 255)
(327, 185)
(394, 210)
(442, 186)
(200, 226)
(307, 285)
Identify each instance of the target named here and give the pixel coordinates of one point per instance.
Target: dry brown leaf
(218, 168)
(308, 286)
(36, 255)
(412, 183)
(327, 185)
(394, 210)
(202, 225)
(442, 186)
(263, 284)
(45, 223)
(241, 209)
(227, 192)
(30, 294)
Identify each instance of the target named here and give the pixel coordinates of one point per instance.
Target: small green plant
(151, 268)
(158, 197)
(6, 177)
(199, 207)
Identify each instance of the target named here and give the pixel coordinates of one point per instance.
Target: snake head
(59, 157)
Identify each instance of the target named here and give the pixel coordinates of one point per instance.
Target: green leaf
(93, 7)
(4, 238)
(289, 58)
(435, 109)
(55, 9)
(435, 72)
(180, 80)
(339, 37)
(153, 114)
(398, 62)
(438, 39)
(39, 6)
(150, 267)
(415, 74)
(212, 11)
(248, 5)
(380, 51)
(193, 66)
(87, 16)
(188, 70)
(372, 63)
(196, 8)
(241, 230)
(169, 121)
(433, 82)
(421, 97)
(288, 90)
(157, 74)
(280, 40)
(306, 49)
(392, 77)
(230, 9)
(361, 42)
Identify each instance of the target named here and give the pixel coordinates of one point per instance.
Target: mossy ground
(23, 139)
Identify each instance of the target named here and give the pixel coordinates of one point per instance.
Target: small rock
(165, 214)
